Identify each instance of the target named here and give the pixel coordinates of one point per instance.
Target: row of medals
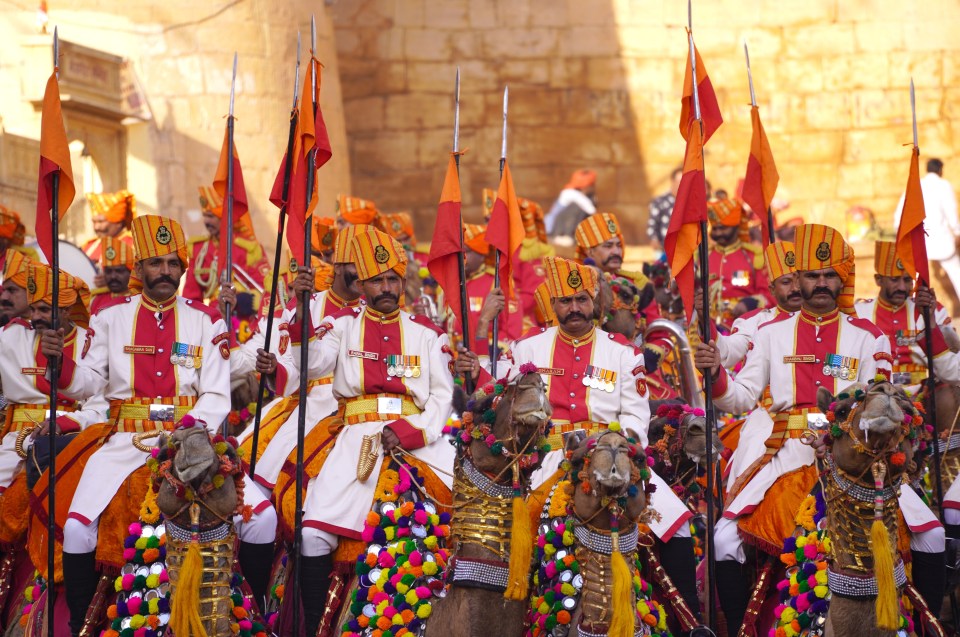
(595, 382)
(406, 371)
(186, 361)
(843, 373)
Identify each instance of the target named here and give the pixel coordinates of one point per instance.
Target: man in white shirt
(942, 225)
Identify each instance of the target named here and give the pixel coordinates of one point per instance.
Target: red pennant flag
(760, 182)
(505, 229)
(241, 215)
(445, 246)
(911, 239)
(683, 234)
(709, 107)
(311, 136)
(277, 197)
(54, 159)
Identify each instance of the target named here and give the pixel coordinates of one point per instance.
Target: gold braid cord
(849, 523)
(217, 555)
(479, 518)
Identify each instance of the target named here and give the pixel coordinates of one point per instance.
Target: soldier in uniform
(112, 214)
(116, 265)
(355, 211)
(736, 265)
(13, 294)
(823, 345)
(391, 376)
(593, 379)
(250, 264)
(156, 357)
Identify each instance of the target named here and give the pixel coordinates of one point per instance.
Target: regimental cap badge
(574, 280)
(327, 239)
(611, 226)
(823, 251)
(110, 253)
(204, 204)
(790, 258)
(381, 254)
(164, 235)
(293, 266)
(900, 265)
(31, 286)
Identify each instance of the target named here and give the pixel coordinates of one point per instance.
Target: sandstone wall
(597, 82)
(182, 54)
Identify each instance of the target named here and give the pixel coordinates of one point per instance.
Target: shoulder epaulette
(865, 325)
(426, 322)
(533, 331)
(212, 311)
(781, 316)
(112, 302)
(622, 340)
(345, 311)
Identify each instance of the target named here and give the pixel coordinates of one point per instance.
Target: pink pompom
(651, 461)
(246, 624)
(779, 610)
(379, 597)
(802, 604)
(367, 534)
(416, 559)
(188, 421)
(140, 632)
(810, 552)
(164, 577)
(127, 582)
(551, 570)
(812, 581)
(421, 517)
(541, 541)
(246, 603)
(135, 529)
(155, 452)
(386, 560)
(439, 531)
(389, 612)
(423, 592)
(528, 368)
(129, 554)
(562, 528)
(134, 602)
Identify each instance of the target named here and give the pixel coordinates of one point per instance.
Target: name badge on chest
(389, 405)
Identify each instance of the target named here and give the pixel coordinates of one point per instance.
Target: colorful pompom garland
(142, 608)
(31, 594)
(402, 571)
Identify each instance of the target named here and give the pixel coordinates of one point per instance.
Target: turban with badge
(594, 230)
(566, 278)
(15, 267)
(724, 212)
(343, 246)
(73, 294)
(819, 247)
(376, 252)
(212, 202)
(543, 310)
(115, 252)
(323, 234)
(355, 210)
(532, 215)
(475, 238)
(11, 227)
(156, 236)
(886, 262)
(781, 259)
(115, 207)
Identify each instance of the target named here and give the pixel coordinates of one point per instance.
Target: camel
(678, 444)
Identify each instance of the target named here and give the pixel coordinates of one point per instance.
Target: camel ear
(576, 443)
(824, 398)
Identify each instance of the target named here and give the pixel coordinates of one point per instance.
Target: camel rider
(116, 266)
(594, 378)
(156, 357)
(823, 345)
(345, 292)
(391, 376)
(13, 292)
(22, 373)
(111, 213)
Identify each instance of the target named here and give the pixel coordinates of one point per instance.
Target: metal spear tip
(458, 85)
(233, 83)
(298, 48)
(313, 34)
(690, 14)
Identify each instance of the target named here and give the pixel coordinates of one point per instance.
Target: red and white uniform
(127, 358)
(355, 346)
(202, 278)
(320, 401)
(92, 248)
(738, 268)
(103, 299)
(564, 362)
(734, 346)
(510, 325)
(789, 355)
(27, 392)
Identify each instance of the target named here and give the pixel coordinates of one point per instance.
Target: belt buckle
(817, 422)
(389, 405)
(162, 413)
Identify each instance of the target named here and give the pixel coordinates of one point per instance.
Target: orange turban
(11, 227)
(781, 259)
(475, 238)
(116, 207)
(819, 247)
(212, 202)
(532, 214)
(115, 252)
(15, 267)
(156, 236)
(594, 230)
(323, 234)
(376, 252)
(398, 225)
(580, 179)
(343, 246)
(543, 310)
(566, 278)
(73, 293)
(886, 262)
(725, 212)
(355, 210)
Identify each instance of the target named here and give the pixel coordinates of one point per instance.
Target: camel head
(195, 460)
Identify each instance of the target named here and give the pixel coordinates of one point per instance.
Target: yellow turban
(343, 246)
(323, 233)
(724, 212)
(73, 293)
(543, 309)
(115, 252)
(356, 210)
(594, 230)
(115, 207)
(566, 278)
(376, 252)
(532, 214)
(15, 267)
(885, 260)
(156, 236)
(819, 247)
(781, 259)
(398, 225)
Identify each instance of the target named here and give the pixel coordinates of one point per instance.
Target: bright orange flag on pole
(445, 246)
(54, 158)
(911, 240)
(709, 107)
(241, 215)
(505, 229)
(760, 182)
(683, 233)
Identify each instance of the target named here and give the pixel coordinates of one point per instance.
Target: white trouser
(952, 267)
(316, 542)
(260, 529)
(951, 516)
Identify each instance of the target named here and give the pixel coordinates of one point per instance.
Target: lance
(226, 272)
(494, 350)
(268, 332)
(705, 335)
(753, 103)
(461, 266)
(928, 323)
(306, 318)
(53, 366)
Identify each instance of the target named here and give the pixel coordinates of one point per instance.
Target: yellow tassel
(888, 611)
(624, 616)
(185, 597)
(521, 552)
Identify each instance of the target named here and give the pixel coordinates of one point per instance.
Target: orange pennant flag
(911, 239)
(54, 160)
(709, 106)
(443, 262)
(505, 229)
(761, 179)
(683, 234)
